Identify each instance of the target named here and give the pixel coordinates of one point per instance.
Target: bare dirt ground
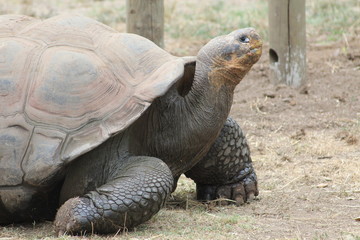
(306, 147)
(306, 150)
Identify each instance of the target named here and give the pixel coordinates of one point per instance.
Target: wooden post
(146, 18)
(287, 41)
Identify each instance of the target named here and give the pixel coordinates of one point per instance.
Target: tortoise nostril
(244, 39)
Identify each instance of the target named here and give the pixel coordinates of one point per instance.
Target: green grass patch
(329, 20)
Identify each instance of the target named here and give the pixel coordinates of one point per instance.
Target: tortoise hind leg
(133, 196)
(226, 171)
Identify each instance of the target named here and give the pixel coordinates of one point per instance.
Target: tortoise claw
(241, 192)
(250, 197)
(60, 233)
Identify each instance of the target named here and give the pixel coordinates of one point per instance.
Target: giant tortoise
(103, 123)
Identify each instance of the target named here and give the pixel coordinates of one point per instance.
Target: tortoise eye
(244, 39)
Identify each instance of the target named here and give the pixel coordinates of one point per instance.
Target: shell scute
(42, 156)
(16, 62)
(71, 83)
(15, 135)
(75, 86)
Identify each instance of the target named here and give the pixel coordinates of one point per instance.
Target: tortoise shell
(67, 84)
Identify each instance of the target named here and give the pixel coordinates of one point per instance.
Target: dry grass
(305, 147)
(189, 24)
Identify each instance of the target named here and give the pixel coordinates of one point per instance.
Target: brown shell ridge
(12, 24)
(161, 80)
(68, 30)
(17, 72)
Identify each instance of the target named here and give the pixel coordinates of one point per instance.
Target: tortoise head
(229, 57)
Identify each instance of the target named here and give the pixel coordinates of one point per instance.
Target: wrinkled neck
(211, 95)
(180, 129)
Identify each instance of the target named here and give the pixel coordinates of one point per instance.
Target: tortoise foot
(136, 194)
(239, 192)
(68, 220)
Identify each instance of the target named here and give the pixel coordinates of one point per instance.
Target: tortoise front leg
(226, 171)
(138, 191)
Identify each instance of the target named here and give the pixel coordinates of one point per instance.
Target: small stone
(322, 185)
(292, 102)
(340, 99)
(299, 134)
(305, 89)
(342, 135)
(351, 140)
(269, 95)
(285, 159)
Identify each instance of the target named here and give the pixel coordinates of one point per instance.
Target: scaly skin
(107, 188)
(226, 171)
(139, 191)
(179, 130)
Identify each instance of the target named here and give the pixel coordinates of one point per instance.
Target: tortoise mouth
(256, 48)
(255, 51)
(256, 45)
